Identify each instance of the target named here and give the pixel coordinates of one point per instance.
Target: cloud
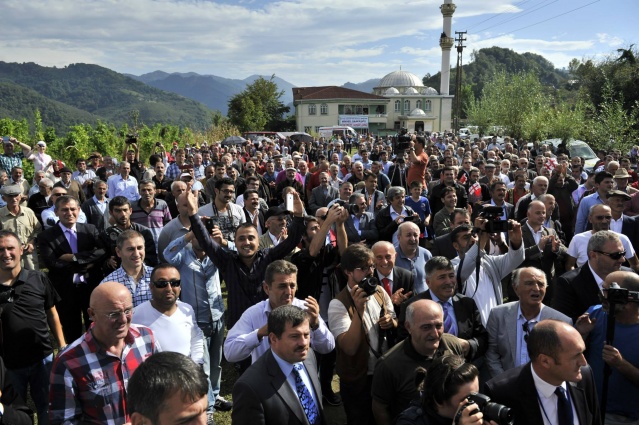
(610, 40)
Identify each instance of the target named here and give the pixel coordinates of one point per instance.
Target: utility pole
(458, 77)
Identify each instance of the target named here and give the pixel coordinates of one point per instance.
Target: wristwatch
(74, 258)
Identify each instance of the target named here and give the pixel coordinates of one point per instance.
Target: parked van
(337, 130)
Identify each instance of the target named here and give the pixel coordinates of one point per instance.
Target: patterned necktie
(450, 327)
(564, 409)
(386, 284)
(308, 404)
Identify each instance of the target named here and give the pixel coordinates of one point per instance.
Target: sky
(305, 42)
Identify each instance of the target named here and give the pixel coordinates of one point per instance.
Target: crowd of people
(420, 271)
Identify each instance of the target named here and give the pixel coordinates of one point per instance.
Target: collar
(541, 229)
(437, 300)
(544, 388)
(65, 228)
(599, 281)
(520, 315)
(381, 276)
(285, 366)
(97, 201)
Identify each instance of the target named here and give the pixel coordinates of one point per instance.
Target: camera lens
(499, 413)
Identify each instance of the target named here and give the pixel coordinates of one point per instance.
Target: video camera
(495, 224)
(401, 143)
(130, 139)
(617, 295)
(492, 411)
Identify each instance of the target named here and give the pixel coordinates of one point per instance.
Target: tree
(258, 107)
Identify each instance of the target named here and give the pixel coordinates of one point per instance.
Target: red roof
(331, 92)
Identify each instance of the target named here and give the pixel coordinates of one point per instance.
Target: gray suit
(318, 199)
(502, 335)
(262, 394)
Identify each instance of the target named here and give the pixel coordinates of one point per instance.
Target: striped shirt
(155, 220)
(140, 291)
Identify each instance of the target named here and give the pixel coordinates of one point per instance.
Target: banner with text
(355, 121)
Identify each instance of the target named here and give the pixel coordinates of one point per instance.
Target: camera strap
(380, 300)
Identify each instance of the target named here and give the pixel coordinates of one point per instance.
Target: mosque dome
(429, 91)
(391, 90)
(411, 91)
(401, 79)
(417, 113)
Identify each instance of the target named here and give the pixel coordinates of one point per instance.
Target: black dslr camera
(495, 224)
(492, 411)
(369, 284)
(617, 295)
(130, 139)
(351, 208)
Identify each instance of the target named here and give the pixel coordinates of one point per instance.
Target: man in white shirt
(247, 337)
(173, 322)
(123, 184)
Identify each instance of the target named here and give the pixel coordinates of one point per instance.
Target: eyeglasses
(603, 217)
(58, 194)
(160, 284)
(115, 315)
(227, 191)
(366, 268)
(613, 255)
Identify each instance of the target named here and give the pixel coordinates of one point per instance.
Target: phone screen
(289, 202)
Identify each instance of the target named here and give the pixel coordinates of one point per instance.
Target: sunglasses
(161, 284)
(613, 255)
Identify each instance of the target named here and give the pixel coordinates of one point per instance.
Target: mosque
(400, 100)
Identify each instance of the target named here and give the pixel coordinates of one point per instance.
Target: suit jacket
(367, 227)
(262, 394)
(502, 335)
(53, 244)
(387, 226)
(516, 389)
(265, 241)
(469, 326)
(402, 279)
(443, 246)
(38, 203)
(318, 199)
(575, 291)
(94, 216)
(260, 219)
(377, 196)
(545, 260)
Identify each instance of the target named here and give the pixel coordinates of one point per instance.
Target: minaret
(446, 42)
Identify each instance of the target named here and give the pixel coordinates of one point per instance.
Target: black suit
(260, 220)
(368, 230)
(545, 260)
(387, 226)
(469, 326)
(38, 203)
(74, 297)
(575, 291)
(516, 389)
(443, 246)
(94, 216)
(262, 394)
(402, 279)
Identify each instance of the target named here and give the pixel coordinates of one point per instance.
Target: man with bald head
(396, 281)
(622, 355)
(88, 380)
(410, 255)
(394, 379)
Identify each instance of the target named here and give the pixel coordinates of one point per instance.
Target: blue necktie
(308, 404)
(450, 327)
(564, 409)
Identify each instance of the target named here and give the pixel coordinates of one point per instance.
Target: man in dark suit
(322, 194)
(542, 245)
(365, 228)
(559, 367)
(443, 245)
(253, 212)
(465, 320)
(396, 281)
(579, 289)
(375, 199)
(96, 208)
(73, 253)
(281, 387)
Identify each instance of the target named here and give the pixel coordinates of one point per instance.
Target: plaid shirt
(88, 384)
(8, 162)
(173, 171)
(142, 291)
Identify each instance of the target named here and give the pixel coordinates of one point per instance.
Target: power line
(501, 13)
(545, 20)
(540, 6)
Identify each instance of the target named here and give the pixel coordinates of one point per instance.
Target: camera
(6, 296)
(369, 284)
(495, 224)
(352, 209)
(158, 144)
(492, 411)
(617, 295)
(131, 138)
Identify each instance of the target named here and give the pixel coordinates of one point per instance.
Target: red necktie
(386, 284)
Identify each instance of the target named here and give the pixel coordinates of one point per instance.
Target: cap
(622, 173)
(490, 165)
(41, 143)
(291, 168)
(8, 142)
(275, 211)
(277, 156)
(183, 175)
(11, 190)
(619, 193)
(66, 170)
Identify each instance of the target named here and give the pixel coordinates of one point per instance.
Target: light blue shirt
(451, 310)
(522, 357)
(415, 265)
(200, 281)
(287, 370)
